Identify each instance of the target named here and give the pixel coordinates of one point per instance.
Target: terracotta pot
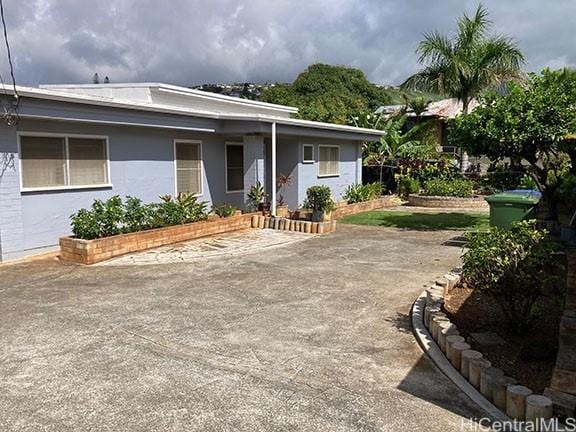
(282, 211)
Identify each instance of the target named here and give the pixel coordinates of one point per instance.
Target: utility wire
(12, 115)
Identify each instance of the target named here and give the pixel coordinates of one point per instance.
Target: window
(328, 161)
(234, 167)
(54, 162)
(188, 167)
(307, 153)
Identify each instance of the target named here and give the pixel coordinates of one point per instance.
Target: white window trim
(187, 141)
(66, 155)
(330, 146)
(226, 144)
(308, 161)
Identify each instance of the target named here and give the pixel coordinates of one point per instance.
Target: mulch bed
(528, 357)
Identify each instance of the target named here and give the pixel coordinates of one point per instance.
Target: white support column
(273, 174)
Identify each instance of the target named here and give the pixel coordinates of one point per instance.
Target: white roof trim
(169, 88)
(44, 93)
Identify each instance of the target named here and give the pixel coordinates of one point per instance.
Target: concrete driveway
(310, 336)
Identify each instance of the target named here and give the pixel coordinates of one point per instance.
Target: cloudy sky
(196, 41)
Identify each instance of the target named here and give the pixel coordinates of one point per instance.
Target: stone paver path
(239, 243)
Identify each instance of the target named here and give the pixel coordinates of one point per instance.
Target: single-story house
(75, 143)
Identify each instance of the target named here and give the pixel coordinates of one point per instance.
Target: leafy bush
(113, 217)
(408, 185)
(449, 188)
(515, 267)
(257, 195)
(567, 190)
(501, 177)
(319, 198)
(358, 192)
(224, 210)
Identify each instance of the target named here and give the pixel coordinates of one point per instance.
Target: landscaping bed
(81, 251)
(474, 312)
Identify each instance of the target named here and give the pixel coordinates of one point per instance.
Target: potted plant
(257, 197)
(319, 199)
(283, 182)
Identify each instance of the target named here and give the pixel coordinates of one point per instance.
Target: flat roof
(52, 94)
(175, 89)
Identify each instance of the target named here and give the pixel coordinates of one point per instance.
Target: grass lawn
(420, 221)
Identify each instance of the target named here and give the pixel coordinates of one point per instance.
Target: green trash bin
(509, 207)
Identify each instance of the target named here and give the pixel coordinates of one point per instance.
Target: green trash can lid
(513, 198)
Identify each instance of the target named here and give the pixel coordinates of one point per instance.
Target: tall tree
(532, 123)
(329, 93)
(468, 64)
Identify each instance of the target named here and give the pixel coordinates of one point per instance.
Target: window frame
(226, 145)
(308, 161)
(189, 141)
(337, 146)
(67, 176)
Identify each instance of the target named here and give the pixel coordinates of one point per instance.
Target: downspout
(273, 194)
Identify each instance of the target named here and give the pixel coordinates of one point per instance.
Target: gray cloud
(197, 41)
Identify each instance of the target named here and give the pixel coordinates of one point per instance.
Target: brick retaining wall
(446, 202)
(349, 209)
(94, 251)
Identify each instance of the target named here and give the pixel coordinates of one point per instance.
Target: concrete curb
(430, 348)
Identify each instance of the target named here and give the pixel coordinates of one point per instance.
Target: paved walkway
(310, 336)
(227, 245)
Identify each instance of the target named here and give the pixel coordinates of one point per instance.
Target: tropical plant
(458, 188)
(181, 209)
(283, 181)
(257, 195)
(319, 198)
(417, 105)
(394, 144)
(516, 267)
(224, 210)
(356, 193)
(137, 215)
(408, 185)
(468, 64)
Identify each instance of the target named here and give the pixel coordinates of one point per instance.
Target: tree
(329, 93)
(467, 65)
(417, 105)
(531, 123)
(395, 144)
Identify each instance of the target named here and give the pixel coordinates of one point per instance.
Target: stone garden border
(500, 397)
(418, 200)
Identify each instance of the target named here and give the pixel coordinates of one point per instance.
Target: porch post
(273, 194)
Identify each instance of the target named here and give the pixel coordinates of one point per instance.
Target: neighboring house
(75, 143)
(438, 112)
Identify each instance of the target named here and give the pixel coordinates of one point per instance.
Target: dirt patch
(529, 357)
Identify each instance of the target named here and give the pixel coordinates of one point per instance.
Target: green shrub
(358, 192)
(224, 210)
(182, 209)
(567, 190)
(500, 178)
(137, 216)
(113, 217)
(319, 198)
(257, 195)
(516, 267)
(449, 188)
(408, 185)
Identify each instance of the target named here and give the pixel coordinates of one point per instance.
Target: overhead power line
(12, 114)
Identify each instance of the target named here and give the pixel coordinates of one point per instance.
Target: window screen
(328, 161)
(188, 168)
(43, 161)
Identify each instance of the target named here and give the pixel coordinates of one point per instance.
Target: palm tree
(465, 66)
